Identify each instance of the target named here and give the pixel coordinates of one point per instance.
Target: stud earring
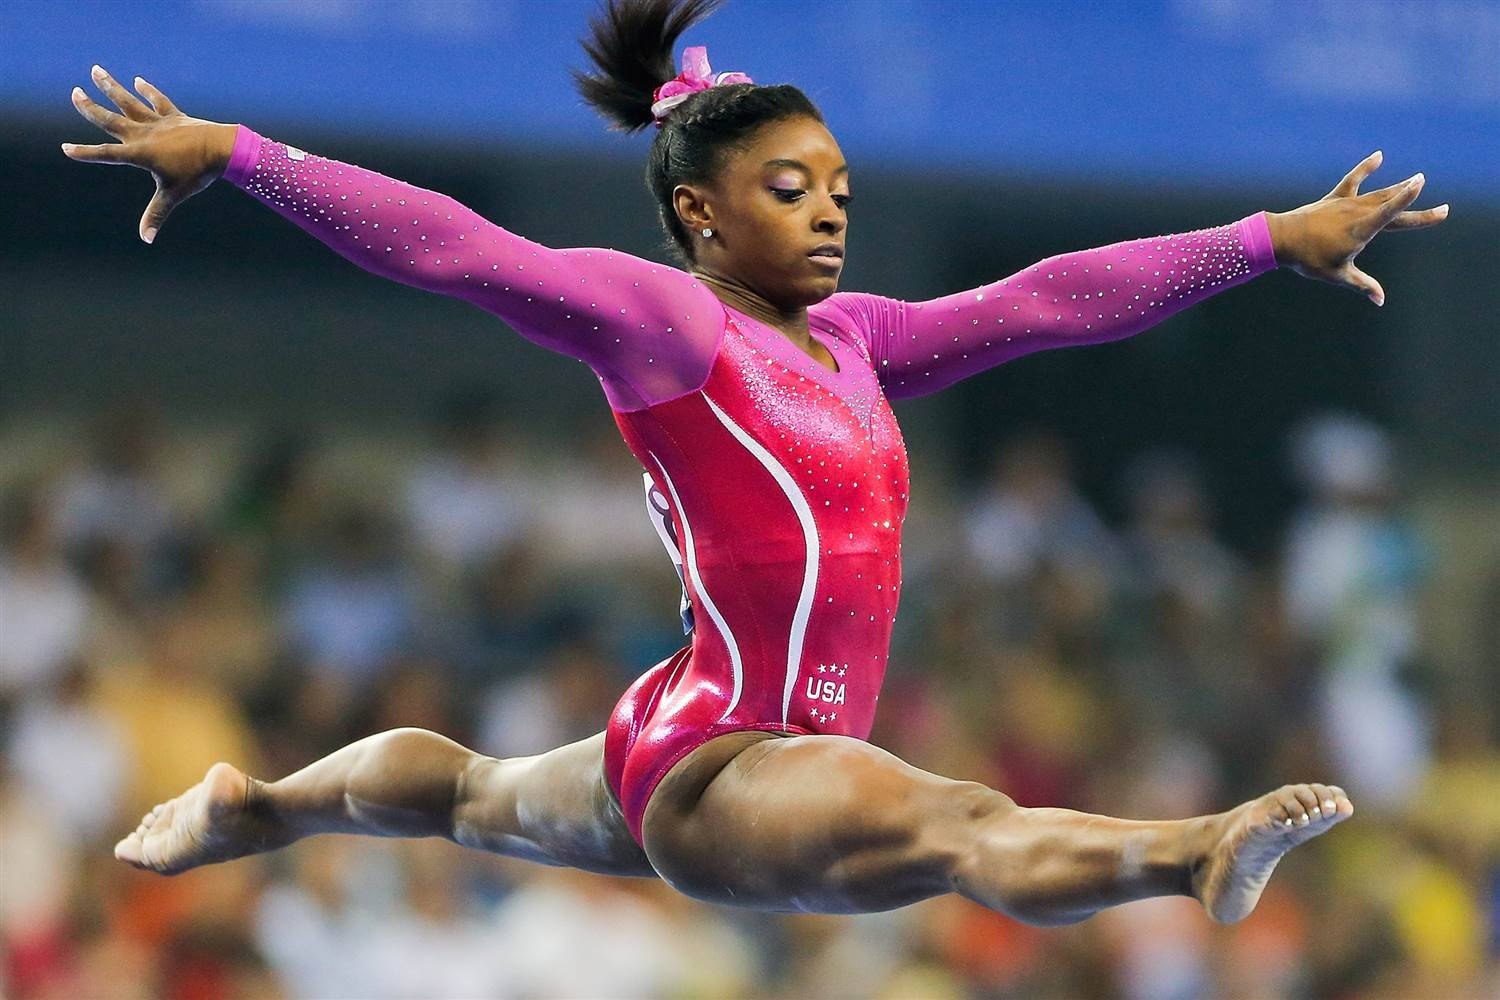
(707, 233)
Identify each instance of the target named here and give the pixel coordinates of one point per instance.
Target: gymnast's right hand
(184, 155)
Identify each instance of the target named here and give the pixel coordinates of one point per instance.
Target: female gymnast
(755, 397)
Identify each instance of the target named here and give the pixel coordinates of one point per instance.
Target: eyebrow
(801, 166)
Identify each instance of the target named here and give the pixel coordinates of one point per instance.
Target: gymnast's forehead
(798, 145)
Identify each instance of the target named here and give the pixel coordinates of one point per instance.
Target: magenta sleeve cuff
(242, 160)
(1256, 234)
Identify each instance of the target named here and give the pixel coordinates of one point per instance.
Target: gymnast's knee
(962, 808)
(979, 801)
(998, 861)
(969, 814)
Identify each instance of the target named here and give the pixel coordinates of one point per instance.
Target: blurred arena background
(255, 503)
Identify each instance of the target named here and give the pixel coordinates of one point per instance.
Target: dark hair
(631, 45)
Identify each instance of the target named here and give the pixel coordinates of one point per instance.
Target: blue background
(1187, 92)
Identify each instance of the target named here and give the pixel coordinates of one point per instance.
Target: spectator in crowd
(71, 756)
(469, 497)
(1353, 567)
(1030, 511)
(351, 607)
(1170, 541)
(119, 492)
(43, 605)
(1029, 522)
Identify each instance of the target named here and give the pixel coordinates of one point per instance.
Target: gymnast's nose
(830, 218)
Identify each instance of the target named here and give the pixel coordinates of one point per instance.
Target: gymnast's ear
(692, 205)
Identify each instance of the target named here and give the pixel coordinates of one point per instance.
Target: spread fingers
(109, 152)
(133, 107)
(1349, 186)
(110, 122)
(159, 101)
(1396, 197)
(1419, 220)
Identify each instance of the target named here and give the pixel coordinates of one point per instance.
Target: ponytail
(631, 45)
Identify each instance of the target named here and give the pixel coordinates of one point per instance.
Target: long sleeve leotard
(779, 486)
(649, 331)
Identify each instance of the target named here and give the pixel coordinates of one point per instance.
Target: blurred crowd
(171, 597)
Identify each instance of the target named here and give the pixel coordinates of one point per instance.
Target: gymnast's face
(775, 202)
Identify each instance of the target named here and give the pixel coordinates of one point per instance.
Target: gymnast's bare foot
(1252, 838)
(205, 824)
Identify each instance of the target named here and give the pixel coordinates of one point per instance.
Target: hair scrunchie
(695, 76)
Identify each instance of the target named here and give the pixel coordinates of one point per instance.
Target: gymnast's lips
(829, 255)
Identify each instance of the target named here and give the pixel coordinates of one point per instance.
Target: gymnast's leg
(554, 807)
(830, 824)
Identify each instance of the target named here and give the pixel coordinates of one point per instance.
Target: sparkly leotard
(778, 486)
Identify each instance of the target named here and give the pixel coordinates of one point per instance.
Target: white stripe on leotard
(810, 536)
(697, 578)
(661, 520)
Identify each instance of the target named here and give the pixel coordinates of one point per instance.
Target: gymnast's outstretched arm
(1112, 292)
(647, 329)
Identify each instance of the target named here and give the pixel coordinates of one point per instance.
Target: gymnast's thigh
(826, 824)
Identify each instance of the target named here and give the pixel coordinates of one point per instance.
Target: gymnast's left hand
(1321, 240)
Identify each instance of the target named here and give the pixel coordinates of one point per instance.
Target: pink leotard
(779, 486)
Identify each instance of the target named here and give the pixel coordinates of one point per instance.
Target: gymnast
(755, 396)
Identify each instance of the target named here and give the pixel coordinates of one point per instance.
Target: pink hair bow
(695, 76)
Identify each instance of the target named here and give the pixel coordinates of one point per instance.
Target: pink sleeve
(1078, 298)
(648, 330)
